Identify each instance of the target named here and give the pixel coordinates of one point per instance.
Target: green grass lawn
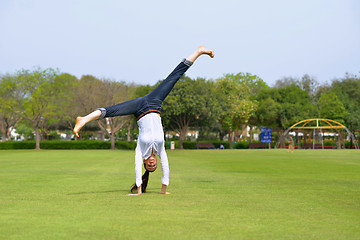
(215, 194)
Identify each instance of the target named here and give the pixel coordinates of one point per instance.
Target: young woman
(147, 112)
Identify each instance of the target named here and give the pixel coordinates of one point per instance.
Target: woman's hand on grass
(139, 191)
(163, 190)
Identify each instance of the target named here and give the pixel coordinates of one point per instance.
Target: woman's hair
(145, 179)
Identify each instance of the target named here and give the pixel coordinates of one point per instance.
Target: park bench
(329, 147)
(317, 146)
(205, 146)
(308, 146)
(257, 145)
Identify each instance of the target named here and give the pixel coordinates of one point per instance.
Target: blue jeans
(151, 102)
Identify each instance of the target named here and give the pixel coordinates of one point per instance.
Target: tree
(44, 92)
(188, 100)
(348, 91)
(295, 105)
(256, 84)
(86, 100)
(66, 109)
(237, 101)
(307, 83)
(310, 85)
(280, 108)
(11, 98)
(93, 93)
(113, 93)
(286, 82)
(268, 113)
(331, 107)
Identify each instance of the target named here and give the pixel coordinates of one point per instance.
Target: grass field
(215, 194)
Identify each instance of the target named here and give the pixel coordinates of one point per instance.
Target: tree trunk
(282, 142)
(182, 137)
(251, 135)
(221, 135)
(231, 139)
(8, 132)
(3, 131)
(37, 139)
(112, 140)
(111, 131)
(129, 132)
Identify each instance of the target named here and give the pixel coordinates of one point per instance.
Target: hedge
(57, 144)
(97, 144)
(192, 145)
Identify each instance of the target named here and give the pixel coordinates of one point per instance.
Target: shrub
(329, 143)
(58, 144)
(241, 145)
(189, 145)
(18, 145)
(218, 143)
(125, 145)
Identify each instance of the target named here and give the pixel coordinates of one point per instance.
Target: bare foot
(79, 124)
(203, 50)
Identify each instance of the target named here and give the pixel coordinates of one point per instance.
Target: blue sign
(265, 135)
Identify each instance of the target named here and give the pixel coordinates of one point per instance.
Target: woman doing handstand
(151, 135)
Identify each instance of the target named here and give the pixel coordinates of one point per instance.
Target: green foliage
(268, 113)
(284, 106)
(331, 107)
(45, 93)
(254, 82)
(46, 99)
(218, 143)
(58, 144)
(348, 92)
(237, 103)
(191, 102)
(17, 145)
(11, 99)
(241, 145)
(125, 145)
(189, 145)
(192, 145)
(143, 90)
(329, 143)
(25, 131)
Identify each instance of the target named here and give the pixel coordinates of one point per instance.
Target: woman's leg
(200, 51)
(81, 121)
(121, 109)
(161, 91)
(131, 107)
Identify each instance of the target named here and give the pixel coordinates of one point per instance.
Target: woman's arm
(138, 165)
(163, 190)
(139, 191)
(138, 169)
(165, 167)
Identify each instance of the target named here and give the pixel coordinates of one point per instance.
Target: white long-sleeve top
(151, 140)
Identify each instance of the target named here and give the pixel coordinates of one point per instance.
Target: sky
(142, 41)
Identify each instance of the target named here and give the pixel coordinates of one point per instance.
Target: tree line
(45, 99)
